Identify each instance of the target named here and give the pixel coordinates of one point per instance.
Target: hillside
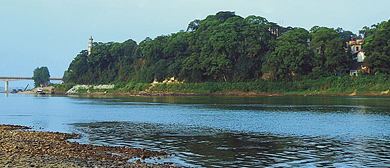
(228, 48)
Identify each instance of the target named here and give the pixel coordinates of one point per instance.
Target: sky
(52, 32)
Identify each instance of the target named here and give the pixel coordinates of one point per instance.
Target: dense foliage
(344, 85)
(332, 85)
(377, 47)
(41, 76)
(229, 48)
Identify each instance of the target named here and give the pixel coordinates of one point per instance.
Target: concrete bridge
(7, 79)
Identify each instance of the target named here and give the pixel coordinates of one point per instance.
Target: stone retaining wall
(74, 89)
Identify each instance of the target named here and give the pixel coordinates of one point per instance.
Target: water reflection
(209, 147)
(221, 131)
(299, 103)
(314, 100)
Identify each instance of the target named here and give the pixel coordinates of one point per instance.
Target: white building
(357, 56)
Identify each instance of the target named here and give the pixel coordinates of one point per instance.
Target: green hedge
(327, 85)
(62, 88)
(333, 84)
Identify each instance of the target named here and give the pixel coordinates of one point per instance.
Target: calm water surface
(221, 131)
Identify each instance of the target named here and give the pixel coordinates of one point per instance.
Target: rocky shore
(20, 147)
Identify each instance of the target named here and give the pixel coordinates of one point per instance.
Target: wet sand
(20, 147)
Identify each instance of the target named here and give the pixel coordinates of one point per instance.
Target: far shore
(234, 94)
(48, 91)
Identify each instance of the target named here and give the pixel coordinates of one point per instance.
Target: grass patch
(334, 85)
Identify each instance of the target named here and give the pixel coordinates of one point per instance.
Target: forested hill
(229, 48)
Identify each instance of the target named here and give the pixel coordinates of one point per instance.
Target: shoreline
(21, 147)
(233, 94)
(118, 92)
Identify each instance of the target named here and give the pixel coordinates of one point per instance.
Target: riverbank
(231, 93)
(20, 147)
(238, 94)
(242, 94)
(365, 85)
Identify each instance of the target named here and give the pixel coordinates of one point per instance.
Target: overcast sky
(35, 33)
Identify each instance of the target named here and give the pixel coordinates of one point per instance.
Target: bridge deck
(7, 79)
(23, 78)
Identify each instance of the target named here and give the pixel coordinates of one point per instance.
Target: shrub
(63, 87)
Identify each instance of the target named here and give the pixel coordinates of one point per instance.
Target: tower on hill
(90, 46)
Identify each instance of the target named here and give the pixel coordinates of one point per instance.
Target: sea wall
(75, 89)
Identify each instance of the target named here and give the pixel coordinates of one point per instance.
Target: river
(202, 131)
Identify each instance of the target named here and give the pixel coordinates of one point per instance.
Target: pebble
(23, 148)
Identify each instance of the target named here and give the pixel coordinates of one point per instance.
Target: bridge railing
(23, 78)
(7, 79)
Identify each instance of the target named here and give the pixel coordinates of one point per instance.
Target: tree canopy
(226, 47)
(377, 48)
(41, 76)
(330, 49)
(291, 56)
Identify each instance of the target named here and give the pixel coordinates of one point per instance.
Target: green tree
(366, 31)
(377, 48)
(41, 76)
(221, 53)
(291, 56)
(336, 59)
(320, 37)
(329, 49)
(223, 45)
(224, 15)
(255, 42)
(346, 35)
(193, 25)
(108, 62)
(227, 47)
(125, 68)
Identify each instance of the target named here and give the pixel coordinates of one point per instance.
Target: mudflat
(20, 147)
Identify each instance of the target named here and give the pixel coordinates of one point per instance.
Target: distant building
(355, 44)
(275, 29)
(357, 56)
(90, 46)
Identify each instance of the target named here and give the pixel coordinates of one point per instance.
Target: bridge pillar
(6, 86)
